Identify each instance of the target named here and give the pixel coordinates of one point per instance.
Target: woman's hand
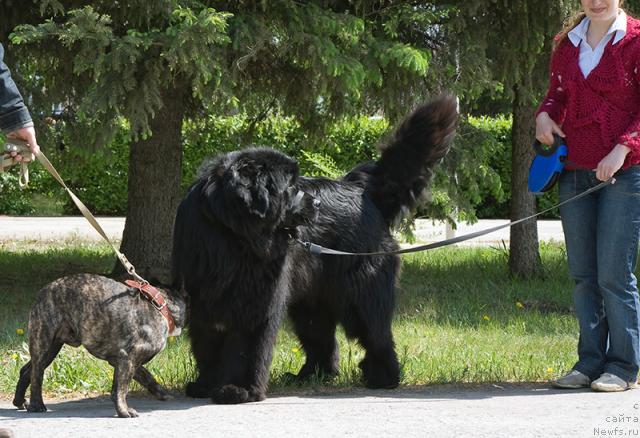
(610, 164)
(545, 128)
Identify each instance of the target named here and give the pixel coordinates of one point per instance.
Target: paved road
(52, 228)
(437, 411)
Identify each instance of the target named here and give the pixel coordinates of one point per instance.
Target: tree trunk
(524, 255)
(154, 193)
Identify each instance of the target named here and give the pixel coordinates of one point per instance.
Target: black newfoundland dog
(235, 255)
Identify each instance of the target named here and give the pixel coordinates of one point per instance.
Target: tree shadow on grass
(459, 288)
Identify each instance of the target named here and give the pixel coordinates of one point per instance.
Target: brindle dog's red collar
(156, 298)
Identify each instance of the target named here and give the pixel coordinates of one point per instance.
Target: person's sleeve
(631, 136)
(555, 101)
(13, 112)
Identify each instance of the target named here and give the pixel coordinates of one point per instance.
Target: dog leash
(8, 161)
(22, 148)
(316, 249)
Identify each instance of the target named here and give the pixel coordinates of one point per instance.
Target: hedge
(475, 176)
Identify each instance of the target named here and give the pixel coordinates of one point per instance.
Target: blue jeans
(601, 233)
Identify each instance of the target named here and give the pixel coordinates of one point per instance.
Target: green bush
(16, 201)
(13, 200)
(495, 203)
(496, 133)
(98, 178)
(471, 182)
(470, 172)
(345, 144)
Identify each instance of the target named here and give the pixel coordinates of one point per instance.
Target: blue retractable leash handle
(547, 165)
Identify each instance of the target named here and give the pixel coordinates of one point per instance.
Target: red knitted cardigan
(600, 111)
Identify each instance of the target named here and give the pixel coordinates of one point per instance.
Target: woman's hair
(569, 24)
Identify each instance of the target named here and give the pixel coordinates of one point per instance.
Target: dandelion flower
(295, 350)
(486, 318)
(549, 370)
(519, 305)
(20, 331)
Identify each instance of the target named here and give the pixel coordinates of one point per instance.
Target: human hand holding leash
(17, 151)
(28, 135)
(545, 128)
(612, 162)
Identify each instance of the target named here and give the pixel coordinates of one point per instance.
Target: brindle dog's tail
(407, 163)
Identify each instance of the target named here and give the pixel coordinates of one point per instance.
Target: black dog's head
(255, 193)
(303, 209)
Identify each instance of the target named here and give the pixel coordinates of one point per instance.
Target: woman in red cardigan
(593, 102)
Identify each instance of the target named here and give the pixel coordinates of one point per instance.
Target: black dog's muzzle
(297, 199)
(301, 196)
(303, 209)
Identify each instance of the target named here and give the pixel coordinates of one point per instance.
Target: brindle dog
(113, 322)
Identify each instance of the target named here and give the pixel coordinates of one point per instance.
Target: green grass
(460, 318)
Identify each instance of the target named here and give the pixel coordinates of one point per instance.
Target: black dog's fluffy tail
(407, 162)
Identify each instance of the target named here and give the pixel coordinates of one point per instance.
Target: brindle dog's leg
(124, 371)
(39, 363)
(146, 379)
(21, 387)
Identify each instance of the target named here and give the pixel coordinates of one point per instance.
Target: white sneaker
(573, 380)
(608, 382)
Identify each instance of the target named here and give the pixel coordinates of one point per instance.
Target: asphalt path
(435, 411)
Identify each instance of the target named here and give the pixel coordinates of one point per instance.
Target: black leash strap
(318, 249)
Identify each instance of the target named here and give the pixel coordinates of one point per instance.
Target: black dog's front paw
(36, 407)
(232, 394)
(380, 375)
(198, 390)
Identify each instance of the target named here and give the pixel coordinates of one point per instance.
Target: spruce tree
(509, 42)
(150, 64)
(522, 59)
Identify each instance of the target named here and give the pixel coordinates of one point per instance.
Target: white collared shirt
(589, 58)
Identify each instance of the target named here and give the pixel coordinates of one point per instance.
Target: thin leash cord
(23, 147)
(8, 161)
(319, 250)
